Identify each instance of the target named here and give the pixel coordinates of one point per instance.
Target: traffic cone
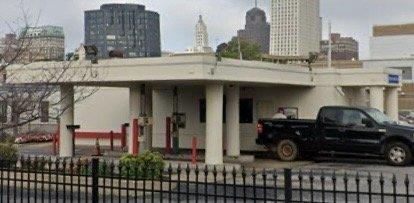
(97, 151)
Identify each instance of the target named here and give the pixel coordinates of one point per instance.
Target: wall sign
(393, 79)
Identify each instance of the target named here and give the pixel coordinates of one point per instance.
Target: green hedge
(8, 153)
(144, 166)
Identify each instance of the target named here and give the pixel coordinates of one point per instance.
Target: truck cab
(337, 129)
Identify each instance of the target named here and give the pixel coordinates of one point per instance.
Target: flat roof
(198, 69)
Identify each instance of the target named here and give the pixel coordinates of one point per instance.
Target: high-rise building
(201, 42)
(343, 48)
(392, 42)
(296, 27)
(45, 43)
(257, 29)
(126, 28)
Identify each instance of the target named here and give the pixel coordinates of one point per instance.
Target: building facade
(257, 29)
(128, 28)
(45, 43)
(201, 41)
(295, 28)
(343, 48)
(392, 41)
(221, 100)
(8, 48)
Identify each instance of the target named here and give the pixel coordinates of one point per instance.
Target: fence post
(288, 185)
(95, 180)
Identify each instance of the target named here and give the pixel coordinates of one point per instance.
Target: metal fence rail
(81, 180)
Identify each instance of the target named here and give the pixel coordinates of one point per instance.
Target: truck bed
(273, 129)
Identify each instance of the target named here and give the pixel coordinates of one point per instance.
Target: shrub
(8, 153)
(144, 166)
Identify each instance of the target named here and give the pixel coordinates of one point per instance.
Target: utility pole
(240, 52)
(330, 46)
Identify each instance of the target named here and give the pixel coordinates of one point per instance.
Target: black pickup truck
(337, 129)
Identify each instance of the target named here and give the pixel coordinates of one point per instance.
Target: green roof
(43, 31)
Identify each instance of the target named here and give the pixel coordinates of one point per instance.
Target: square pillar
(134, 112)
(214, 124)
(66, 118)
(232, 121)
(392, 103)
(376, 98)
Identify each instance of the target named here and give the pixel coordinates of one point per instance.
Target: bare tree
(27, 84)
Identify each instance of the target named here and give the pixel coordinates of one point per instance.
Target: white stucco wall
(308, 100)
(105, 110)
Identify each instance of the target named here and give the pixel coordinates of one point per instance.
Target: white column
(214, 124)
(134, 111)
(232, 121)
(376, 98)
(392, 103)
(66, 118)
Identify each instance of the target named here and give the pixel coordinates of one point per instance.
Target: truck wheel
(398, 154)
(287, 150)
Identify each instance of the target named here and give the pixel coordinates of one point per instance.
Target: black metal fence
(81, 180)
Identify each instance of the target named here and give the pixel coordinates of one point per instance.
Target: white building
(392, 46)
(252, 90)
(392, 42)
(296, 27)
(201, 43)
(406, 65)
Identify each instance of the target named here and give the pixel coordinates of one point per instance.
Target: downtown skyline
(355, 18)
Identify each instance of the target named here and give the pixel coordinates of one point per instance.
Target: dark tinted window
(352, 117)
(203, 109)
(44, 111)
(246, 110)
(330, 116)
(3, 111)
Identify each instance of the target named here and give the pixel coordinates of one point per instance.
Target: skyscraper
(296, 27)
(257, 29)
(201, 43)
(123, 27)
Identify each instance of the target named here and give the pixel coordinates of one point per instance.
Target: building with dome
(257, 29)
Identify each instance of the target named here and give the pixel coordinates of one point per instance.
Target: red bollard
(135, 135)
(123, 135)
(194, 151)
(55, 144)
(168, 135)
(111, 134)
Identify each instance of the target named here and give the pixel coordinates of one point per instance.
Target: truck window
(353, 117)
(330, 116)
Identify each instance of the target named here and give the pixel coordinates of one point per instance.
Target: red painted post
(135, 135)
(194, 151)
(58, 139)
(168, 135)
(123, 136)
(111, 134)
(55, 144)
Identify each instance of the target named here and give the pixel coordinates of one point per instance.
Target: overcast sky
(223, 17)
